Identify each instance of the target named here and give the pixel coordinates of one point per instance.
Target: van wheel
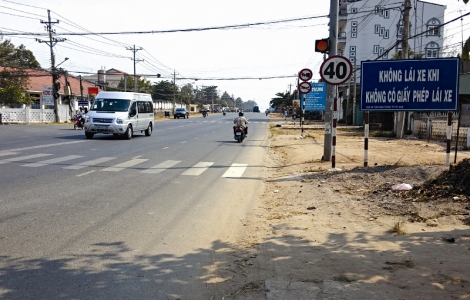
(89, 135)
(129, 133)
(148, 131)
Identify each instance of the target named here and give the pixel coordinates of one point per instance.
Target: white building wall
(372, 29)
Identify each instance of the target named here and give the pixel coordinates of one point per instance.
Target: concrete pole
(330, 89)
(404, 55)
(354, 96)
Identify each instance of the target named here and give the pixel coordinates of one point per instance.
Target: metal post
(449, 137)
(366, 139)
(354, 96)
(333, 132)
(330, 89)
(457, 139)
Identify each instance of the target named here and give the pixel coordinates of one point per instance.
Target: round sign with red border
(305, 87)
(336, 70)
(305, 74)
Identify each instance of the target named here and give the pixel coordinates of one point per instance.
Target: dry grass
(398, 228)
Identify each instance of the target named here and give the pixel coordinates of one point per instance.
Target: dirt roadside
(347, 234)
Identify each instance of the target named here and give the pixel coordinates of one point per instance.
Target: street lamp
(62, 62)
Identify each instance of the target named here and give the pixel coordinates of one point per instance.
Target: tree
(13, 78)
(143, 85)
(226, 100)
(238, 102)
(18, 57)
(187, 94)
(165, 90)
(282, 100)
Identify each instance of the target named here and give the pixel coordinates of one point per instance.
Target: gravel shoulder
(347, 234)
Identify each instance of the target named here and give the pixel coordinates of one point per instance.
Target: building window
(381, 51)
(386, 14)
(352, 49)
(377, 29)
(432, 27)
(433, 30)
(376, 49)
(432, 50)
(353, 29)
(354, 10)
(382, 30)
(379, 9)
(353, 54)
(354, 34)
(353, 23)
(352, 60)
(386, 34)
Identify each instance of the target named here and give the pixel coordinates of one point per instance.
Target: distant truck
(256, 109)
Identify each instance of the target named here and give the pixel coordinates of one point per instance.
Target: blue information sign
(410, 85)
(316, 99)
(82, 103)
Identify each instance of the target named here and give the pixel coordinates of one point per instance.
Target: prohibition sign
(336, 70)
(305, 87)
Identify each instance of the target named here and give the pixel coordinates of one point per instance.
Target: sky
(251, 62)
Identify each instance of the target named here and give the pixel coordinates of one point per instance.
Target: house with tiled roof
(37, 80)
(109, 78)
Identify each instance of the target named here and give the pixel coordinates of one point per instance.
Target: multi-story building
(373, 29)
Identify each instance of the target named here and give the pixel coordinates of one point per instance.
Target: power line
(238, 26)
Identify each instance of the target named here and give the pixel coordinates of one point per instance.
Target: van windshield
(110, 105)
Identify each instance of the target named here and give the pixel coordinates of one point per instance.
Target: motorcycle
(78, 123)
(204, 114)
(239, 134)
(224, 113)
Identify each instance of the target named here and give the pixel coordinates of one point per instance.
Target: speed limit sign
(336, 70)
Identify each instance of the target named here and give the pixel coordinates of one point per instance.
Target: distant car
(181, 112)
(256, 109)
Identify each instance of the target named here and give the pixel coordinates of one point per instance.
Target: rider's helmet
(240, 114)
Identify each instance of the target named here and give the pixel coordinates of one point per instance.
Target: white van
(120, 113)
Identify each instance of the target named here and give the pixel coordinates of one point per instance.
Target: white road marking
(165, 148)
(86, 173)
(89, 163)
(7, 153)
(235, 171)
(8, 160)
(161, 167)
(183, 142)
(198, 168)
(52, 161)
(122, 166)
(45, 146)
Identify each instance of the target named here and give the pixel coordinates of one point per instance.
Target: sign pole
(449, 137)
(457, 139)
(333, 131)
(366, 139)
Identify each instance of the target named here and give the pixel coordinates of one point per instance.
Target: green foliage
(143, 86)
(12, 96)
(282, 100)
(466, 50)
(187, 94)
(18, 57)
(165, 90)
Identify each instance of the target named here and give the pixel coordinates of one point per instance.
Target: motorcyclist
(81, 115)
(241, 121)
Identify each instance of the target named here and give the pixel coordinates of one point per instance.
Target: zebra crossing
(136, 164)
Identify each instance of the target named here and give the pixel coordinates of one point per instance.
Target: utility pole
(330, 89)
(354, 95)
(174, 91)
(404, 55)
(134, 50)
(55, 76)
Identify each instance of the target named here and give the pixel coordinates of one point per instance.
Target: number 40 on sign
(336, 70)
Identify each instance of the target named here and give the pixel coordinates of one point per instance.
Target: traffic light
(322, 45)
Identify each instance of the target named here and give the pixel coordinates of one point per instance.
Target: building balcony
(342, 37)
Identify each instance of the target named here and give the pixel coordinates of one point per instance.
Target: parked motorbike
(78, 123)
(239, 134)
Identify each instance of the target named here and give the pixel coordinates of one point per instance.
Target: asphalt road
(110, 218)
